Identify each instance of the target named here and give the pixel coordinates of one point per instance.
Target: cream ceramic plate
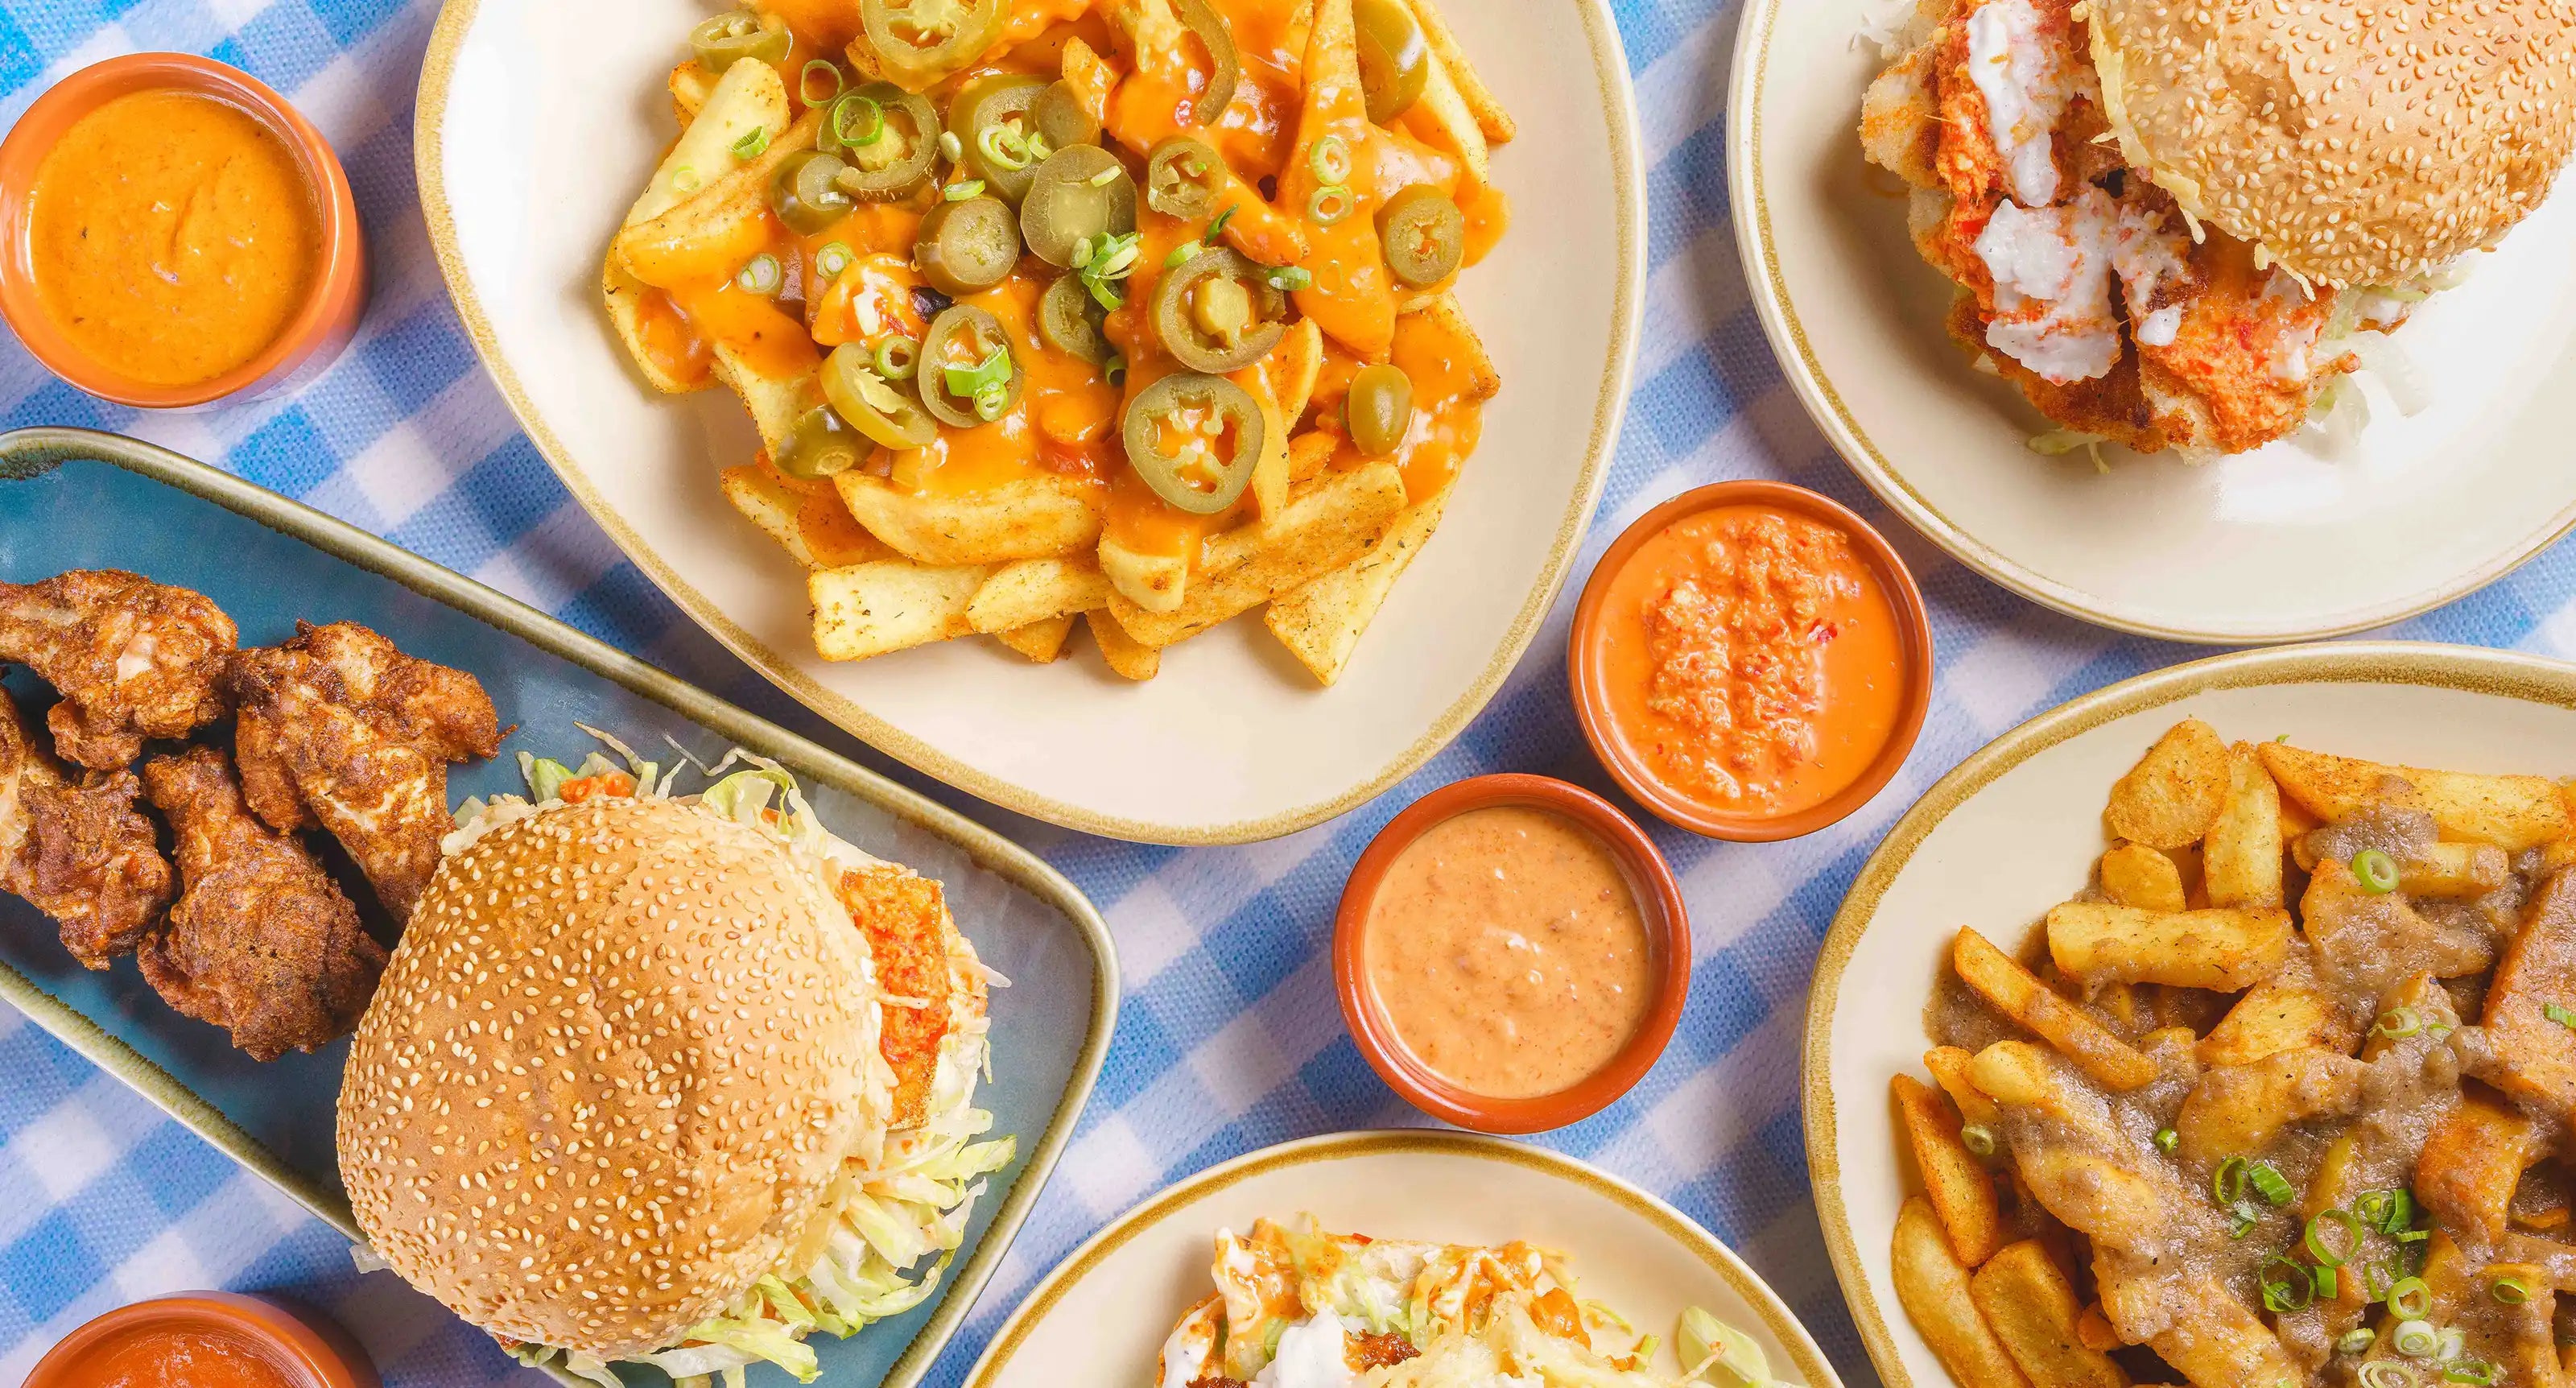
(2281, 544)
(540, 118)
(1102, 1315)
(2014, 830)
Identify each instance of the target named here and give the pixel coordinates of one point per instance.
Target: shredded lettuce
(1718, 1354)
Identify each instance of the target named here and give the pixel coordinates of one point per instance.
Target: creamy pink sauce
(1508, 951)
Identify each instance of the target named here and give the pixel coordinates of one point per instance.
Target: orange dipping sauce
(169, 1357)
(1509, 952)
(173, 236)
(1751, 659)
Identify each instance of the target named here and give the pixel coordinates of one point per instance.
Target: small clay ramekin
(1659, 901)
(332, 304)
(1592, 699)
(310, 1350)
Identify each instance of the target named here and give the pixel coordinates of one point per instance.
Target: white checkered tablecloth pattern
(1230, 1038)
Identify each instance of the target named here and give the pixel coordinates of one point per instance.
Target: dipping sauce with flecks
(171, 1357)
(1509, 952)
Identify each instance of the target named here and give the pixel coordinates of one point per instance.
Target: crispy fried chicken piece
(79, 851)
(925, 968)
(261, 942)
(132, 659)
(340, 729)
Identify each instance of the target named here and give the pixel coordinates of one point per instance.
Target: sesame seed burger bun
(2355, 143)
(622, 1049)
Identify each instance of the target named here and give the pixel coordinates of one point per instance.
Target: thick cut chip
(2472, 1160)
(805, 518)
(2032, 1308)
(2535, 1053)
(1154, 582)
(749, 97)
(1932, 1286)
(1352, 293)
(691, 84)
(2223, 951)
(1026, 518)
(2240, 859)
(1029, 591)
(2240, 1108)
(1310, 453)
(1321, 621)
(2511, 812)
(2021, 996)
(2454, 870)
(2074, 1180)
(1491, 118)
(1443, 107)
(1958, 1186)
(767, 503)
(1293, 367)
(1127, 657)
(1458, 344)
(2136, 875)
(1039, 641)
(2272, 1018)
(1329, 522)
(2175, 792)
(1949, 1066)
(870, 609)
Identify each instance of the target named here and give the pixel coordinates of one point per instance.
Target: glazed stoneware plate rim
(30, 453)
(2507, 675)
(1172, 1200)
(952, 757)
(1760, 195)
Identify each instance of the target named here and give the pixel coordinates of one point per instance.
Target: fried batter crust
(79, 851)
(914, 940)
(132, 659)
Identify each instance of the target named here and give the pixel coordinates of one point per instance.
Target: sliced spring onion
(1289, 278)
(1181, 255)
(2228, 1184)
(2416, 1339)
(951, 146)
(1331, 203)
(1105, 177)
(2558, 1014)
(960, 192)
(1040, 148)
(685, 179)
(1114, 370)
(2329, 1284)
(858, 120)
(1330, 160)
(2242, 1217)
(2167, 1139)
(760, 275)
(990, 402)
(2372, 1206)
(1003, 148)
(2267, 1179)
(1216, 228)
(897, 358)
(2290, 1288)
(2355, 1341)
(2324, 1252)
(2510, 1290)
(2410, 1299)
(830, 261)
(2387, 1373)
(2454, 1340)
(2377, 871)
(2398, 1023)
(752, 145)
(1978, 1139)
(2476, 1371)
(805, 81)
(992, 373)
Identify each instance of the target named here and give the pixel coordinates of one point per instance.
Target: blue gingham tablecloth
(1230, 1038)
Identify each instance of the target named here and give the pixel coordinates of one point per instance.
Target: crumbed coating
(78, 850)
(621, 1051)
(926, 967)
(132, 659)
(2358, 143)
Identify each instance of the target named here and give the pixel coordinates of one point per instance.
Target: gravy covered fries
(2282, 1098)
(1136, 311)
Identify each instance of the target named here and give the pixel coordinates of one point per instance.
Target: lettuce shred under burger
(901, 1221)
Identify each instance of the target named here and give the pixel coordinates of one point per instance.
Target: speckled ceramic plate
(72, 499)
(1102, 1315)
(2015, 829)
(540, 118)
(2280, 544)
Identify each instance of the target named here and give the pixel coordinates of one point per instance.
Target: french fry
(1091, 77)
(2210, 1336)
(2276, 1017)
(1039, 517)
(2240, 859)
(2511, 812)
(1029, 591)
(691, 84)
(2084, 1190)
(1949, 1066)
(2135, 875)
(2421, 994)
(1491, 118)
(1350, 295)
(2026, 1000)
(2175, 792)
(890, 605)
(2536, 1056)
(1128, 658)
(2473, 1159)
(1309, 453)
(1270, 480)
(1442, 110)
(1957, 1184)
(1321, 621)
(1442, 327)
(2221, 950)
(1293, 367)
(1040, 642)
(2094, 1330)
(769, 504)
(2032, 1309)
(745, 99)
(1153, 582)
(2241, 1108)
(1328, 523)
(2343, 915)
(2456, 871)
(1933, 1288)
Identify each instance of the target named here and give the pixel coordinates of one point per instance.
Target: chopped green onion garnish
(2289, 1290)
(951, 146)
(2558, 1014)
(805, 81)
(1040, 147)
(2355, 1341)
(1105, 177)
(2416, 1338)
(830, 261)
(1115, 369)
(2476, 1371)
(2372, 1206)
(2166, 1139)
(2326, 1284)
(2410, 1299)
(1083, 250)
(2387, 1373)
(2268, 1179)
(760, 275)
(752, 145)
(2326, 1254)
(2282, 738)
(897, 358)
(960, 192)
(1978, 1139)
(1217, 228)
(1330, 204)
(2377, 871)
(1330, 159)
(2228, 1184)
(2398, 1023)
(1003, 148)
(858, 120)
(2454, 1339)
(992, 373)
(1289, 278)
(685, 179)
(1181, 255)
(2509, 1290)
(990, 402)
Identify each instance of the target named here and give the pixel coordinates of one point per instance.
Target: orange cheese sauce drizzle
(1751, 659)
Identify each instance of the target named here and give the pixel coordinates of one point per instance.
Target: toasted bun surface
(622, 1048)
(2357, 142)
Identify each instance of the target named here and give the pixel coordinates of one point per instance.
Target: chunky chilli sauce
(1509, 952)
(1751, 659)
(766, 300)
(173, 236)
(174, 1357)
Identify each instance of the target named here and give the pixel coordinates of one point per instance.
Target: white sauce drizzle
(2025, 82)
(2052, 271)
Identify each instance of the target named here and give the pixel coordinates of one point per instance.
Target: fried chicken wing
(132, 659)
(79, 851)
(340, 729)
(261, 942)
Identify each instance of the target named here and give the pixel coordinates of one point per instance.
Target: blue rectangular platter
(72, 499)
